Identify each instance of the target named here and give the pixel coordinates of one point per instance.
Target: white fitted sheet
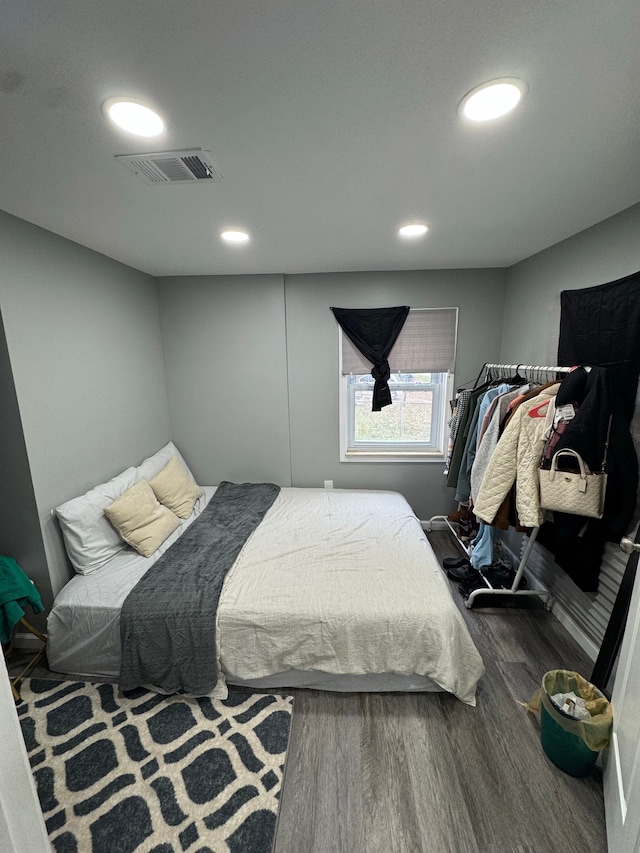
(335, 587)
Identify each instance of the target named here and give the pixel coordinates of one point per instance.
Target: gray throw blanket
(168, 620)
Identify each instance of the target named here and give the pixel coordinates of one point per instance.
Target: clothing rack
(536, 373)
(544, 594)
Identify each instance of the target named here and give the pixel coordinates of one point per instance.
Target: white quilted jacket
(517, 458)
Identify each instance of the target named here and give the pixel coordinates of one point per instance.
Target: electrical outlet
(328, 484)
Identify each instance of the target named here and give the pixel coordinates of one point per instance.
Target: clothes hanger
(478, 377)
(462, 385)
(516, 379)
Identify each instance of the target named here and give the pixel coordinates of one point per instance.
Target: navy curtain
(374, 331)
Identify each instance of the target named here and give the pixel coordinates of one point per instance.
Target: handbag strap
(568, 452)
(606, 444)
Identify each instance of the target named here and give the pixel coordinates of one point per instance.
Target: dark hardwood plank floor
(423, 773)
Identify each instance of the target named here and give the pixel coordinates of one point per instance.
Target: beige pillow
(140, 519)
(175, 489)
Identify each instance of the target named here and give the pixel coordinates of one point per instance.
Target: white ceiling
(332, 123)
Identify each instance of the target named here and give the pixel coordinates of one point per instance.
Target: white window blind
(426, 344)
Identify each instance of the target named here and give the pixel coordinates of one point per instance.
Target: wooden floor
(424, 773)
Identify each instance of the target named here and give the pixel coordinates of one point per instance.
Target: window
(414, 426)
(408, 425)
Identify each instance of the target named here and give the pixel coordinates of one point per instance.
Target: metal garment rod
(530, 367)
(526, 368)
(535, 370)
(429, 526)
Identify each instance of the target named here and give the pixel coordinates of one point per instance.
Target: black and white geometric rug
(138, 771)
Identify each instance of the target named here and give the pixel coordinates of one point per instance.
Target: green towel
(16, 593)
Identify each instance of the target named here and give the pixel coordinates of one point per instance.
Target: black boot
(460, 571)
(473, 581)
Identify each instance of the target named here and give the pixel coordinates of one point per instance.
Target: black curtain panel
(374, 331)
(599, 326)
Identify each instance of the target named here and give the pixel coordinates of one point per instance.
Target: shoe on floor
(498, 576)
(467, 530)
(501, 578)
(501, 555)
(454, 562)
(474, 581)
(461, 573)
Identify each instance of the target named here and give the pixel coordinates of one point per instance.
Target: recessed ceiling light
(415, 229)
(233, 235)
(133, 116)
(492, 100)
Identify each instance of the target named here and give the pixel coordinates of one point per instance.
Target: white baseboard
(26, 641)
(576, 632)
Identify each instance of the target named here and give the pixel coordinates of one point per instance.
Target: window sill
(391, 456)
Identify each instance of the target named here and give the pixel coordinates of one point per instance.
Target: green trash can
(573, 745)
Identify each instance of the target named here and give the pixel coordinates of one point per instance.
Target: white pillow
(89, 539)
(141, 520)
(174, 488)
(152, 466)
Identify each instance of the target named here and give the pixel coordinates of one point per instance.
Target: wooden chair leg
(32, 663)
(18, 678)
(33, 630)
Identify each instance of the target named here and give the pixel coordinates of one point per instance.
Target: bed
(334, 589)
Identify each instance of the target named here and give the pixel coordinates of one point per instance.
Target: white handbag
(580, 493)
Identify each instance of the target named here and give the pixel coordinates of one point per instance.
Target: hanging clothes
(490, 438)
(587, 433)
(462, 435)
(516, 460)
(461, 402)
(577, 543)
(506, 515)
(17, 592)
(599, 326)
(463, 485)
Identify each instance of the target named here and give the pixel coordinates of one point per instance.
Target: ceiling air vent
(172, 167)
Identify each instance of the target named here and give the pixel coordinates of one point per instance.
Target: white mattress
(335, 587)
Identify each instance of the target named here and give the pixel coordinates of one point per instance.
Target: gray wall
(83, 335)
(605, 252)
(277, 343)
(20, 535)
(225, 354)
(313, 352)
